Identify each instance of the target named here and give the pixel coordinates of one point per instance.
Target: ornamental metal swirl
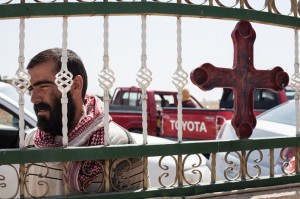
(64, 80)
(242, 159)
(3, 179)
(106, 78)
(256, 161)
(86, 169)
(119, 175)
(144, 77)
(21, 81)
(194, 171)
(233, 167)
(166, 168)
(39, 183)
(285, 161)
(295, 81)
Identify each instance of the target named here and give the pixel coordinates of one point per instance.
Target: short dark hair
(75, 65)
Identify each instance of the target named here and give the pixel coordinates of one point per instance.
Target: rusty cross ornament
(243, 79)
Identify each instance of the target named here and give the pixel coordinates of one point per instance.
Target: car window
(8, 119)
(290, 93)
(267, 95)
(284, 114)
(11, 92)
(164, 100)
(263, 99)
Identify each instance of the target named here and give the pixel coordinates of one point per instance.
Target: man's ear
(77, 84)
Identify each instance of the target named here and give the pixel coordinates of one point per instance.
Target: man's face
(46, 99)
(53, 123)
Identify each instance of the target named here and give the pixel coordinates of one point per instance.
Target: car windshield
(13, 94)
(284, 114)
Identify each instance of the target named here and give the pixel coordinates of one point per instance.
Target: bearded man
(85, 128)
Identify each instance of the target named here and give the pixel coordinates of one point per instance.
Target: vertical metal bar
(270, 3)
(242, 4)
(144, 116)
(243, 165)
(65, 178)
(144, 77)
(22, 180)
(21, 84)
(297, 160)
(213, 168)
(106, 84)
(294, 8)
(145, 173)
(272, 163)
(180, 170)
(64, 86)
(179, 79)
(106, 176)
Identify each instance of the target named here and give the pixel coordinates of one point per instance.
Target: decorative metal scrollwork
(7, 2)
(194, 171)
(242, 167)
(202, 3)
(232, 168)
(119, 178)
(106, 78)
(276, 10)
(100, 180)
(43, 1)
(163, 1)
(257, 160)
(223, 5)
(4, 182)
(166, 168)
(39, 183)
(286, 159)
(250, 7)
(144, 77)
(295, 81)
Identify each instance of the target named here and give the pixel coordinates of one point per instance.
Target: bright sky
(204, 40)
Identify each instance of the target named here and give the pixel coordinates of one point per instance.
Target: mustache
(41, 106)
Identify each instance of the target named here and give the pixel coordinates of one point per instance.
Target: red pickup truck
(198, 123)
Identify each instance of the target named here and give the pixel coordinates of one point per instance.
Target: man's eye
(45, 86)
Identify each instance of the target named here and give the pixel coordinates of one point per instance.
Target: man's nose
(35, 97)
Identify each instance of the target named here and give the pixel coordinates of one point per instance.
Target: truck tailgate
(198, 124)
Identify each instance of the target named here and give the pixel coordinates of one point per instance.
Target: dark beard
(53, 124)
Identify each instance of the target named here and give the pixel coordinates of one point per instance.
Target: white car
(9, 118)
(277, 122)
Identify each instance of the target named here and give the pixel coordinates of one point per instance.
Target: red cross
(243, 78)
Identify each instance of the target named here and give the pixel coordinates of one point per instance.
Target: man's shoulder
(30, 137)
(119, 135)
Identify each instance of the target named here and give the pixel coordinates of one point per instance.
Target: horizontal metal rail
(12, 156)
(27, 10)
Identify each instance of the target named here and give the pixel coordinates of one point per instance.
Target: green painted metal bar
(13, 11)
(11, 156)
(191, 190)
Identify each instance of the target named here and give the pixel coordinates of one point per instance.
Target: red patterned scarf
(88, 132)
